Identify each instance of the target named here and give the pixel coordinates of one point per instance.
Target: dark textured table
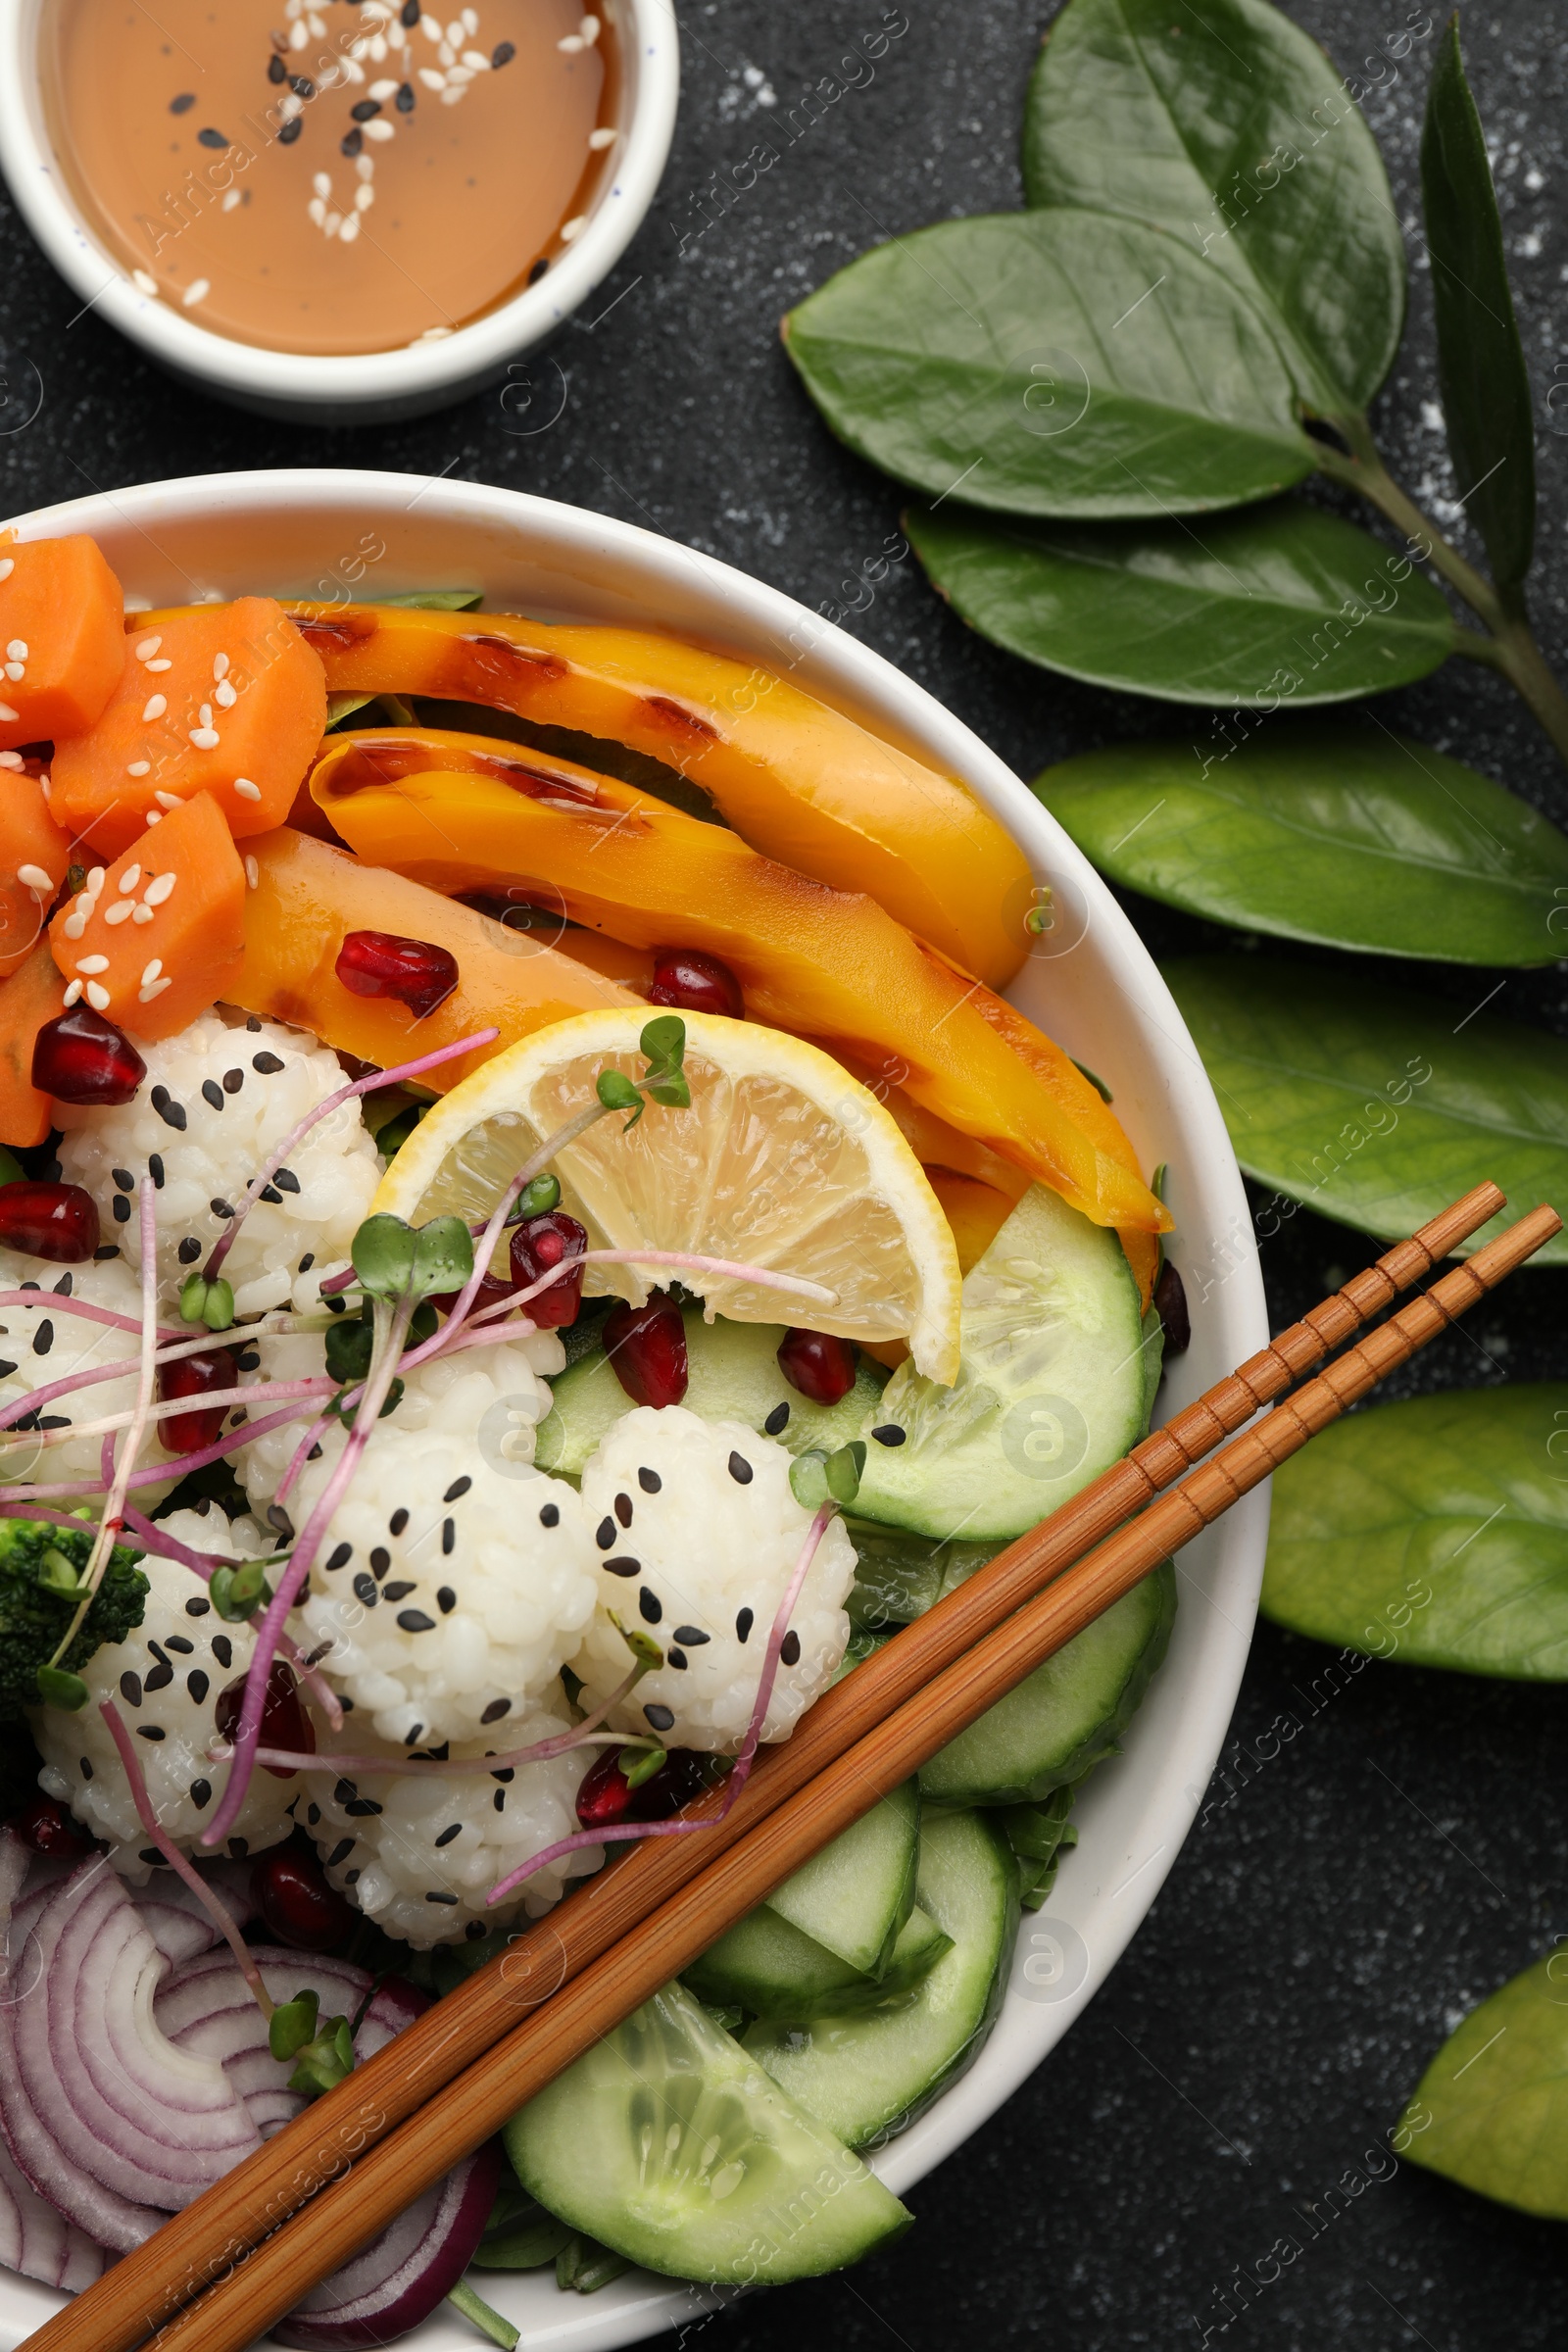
(1346, 1900)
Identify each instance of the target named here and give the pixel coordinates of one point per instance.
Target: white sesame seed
(573, 228)
(95, 879)
(589, 28)
(290, 106)
(33, 877)
(120, 912)
(253, 873)
(431, 79)
(97, 995)
(167, 799)
(155, 816)
(378, 47)
(298, 37)
(204, 739)
(154, 988)
(431, 28)
(571, 43)
(8, 566)
(364, 165)
(150, 971)
(316, 26)
(232, 200)
(364, 198)
(75, 925)
(147, 648)
(93, 963)
(332, 223)
(470, 21)
(381, 128)
(350, 229)
(446, 53)
(358, 48)
(315, 211)
(158, 889)
(455, 31)
(8, 714)
(43, 782)
(139, 767)
(166, 664)
(13, 759)
(220, 665)
(73, 992)
(16, 649)
(246, 789)
(383, 90)
(197, 291)
(598, 140)
(459, 78)
(144, 281)
(431, 334)
(154, 708)
(129, 879)
(476, 61)
(141, 914)
(16, 671)
(207, 715)
(223, 695)
(451, 97)
(322, 183)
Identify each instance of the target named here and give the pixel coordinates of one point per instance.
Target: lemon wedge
(783, 1161)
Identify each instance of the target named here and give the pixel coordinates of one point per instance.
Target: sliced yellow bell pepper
(796, 778)
(825, 963)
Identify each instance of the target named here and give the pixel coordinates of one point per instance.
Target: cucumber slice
(734, 1377)
(1051, 1385)
(669, 2145)
(1070, 1712)
(866, 2077)
(855, 1894)
(898, 1576)
(766, 1966)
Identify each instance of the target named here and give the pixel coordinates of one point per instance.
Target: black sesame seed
(238, 1849)
(233, 1079)
(398, 1589)
(789, 1650)
(351, 1878)
(197, 1608)
(604, 1533)
(313, 1815)
(743, 1625)
(220, 1209)
(442, 1898)
(777, 1420)
(213, 1093)
(365, 110)
(499, 1800)
(150, 1853)
(661, 1717)
(43, 1338)
(253, 1023)
(291, 131)
(411, 1737)
(211, 138)
(550, 1517)
(158, 1097)
(201, 1794)
(249, 1361)
(411, 12)
(84, 1764)
(414, 1620)
(458, 1488)
(448, 1538)
(353, 143)
(446, 1601)
(307, 1261)
(380, 1559)
(890, 1434)
(197, 1684)
(182, 1643)
(190, 1250)
(130, 1688)
(361, 1806)
(285, 1180)
(150, 1730)
(397, 1522)
(302, 85)
(314, 1454)
(649, 1606)
(624, 1509)
(405, 98)
(121, 1210)
(503, 53)
(692, 1635)
(172, 1115)
(739, 1470)
(52, 1421)
(495, 1709)
(340, 1853)
(154, 1168)
(6, 1369)
(341, 1556)
(345, 1789)
(649, 1480)
(270, 1194)
(266, 1065)
(366, 1587)
(622, 1565)
(101, 1256)
(276, 71)
(676, 1659)
(159, 1677)
(223, 1650)
(454, 1831)
(476, 1930)
(504, 1772)
(124, 1181)
(538, 269)
(184, 103)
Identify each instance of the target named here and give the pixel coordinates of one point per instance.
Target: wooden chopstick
(346, 2215)
(148, 2286)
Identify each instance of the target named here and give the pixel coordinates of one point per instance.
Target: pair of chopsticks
(218, 2275)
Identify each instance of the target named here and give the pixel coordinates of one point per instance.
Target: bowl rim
(318, 382)
(1139, 1807)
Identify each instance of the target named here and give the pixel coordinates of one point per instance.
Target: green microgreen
(56, 1689)
(236, 1594)
(651, 1760)
(817, 1476)
(209, 1301)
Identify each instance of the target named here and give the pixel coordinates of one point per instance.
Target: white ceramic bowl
(371, 387)
(1097, 993)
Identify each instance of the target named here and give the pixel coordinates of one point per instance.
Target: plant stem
(473, 2307)
(1513, 649)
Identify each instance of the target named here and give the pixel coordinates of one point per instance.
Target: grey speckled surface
(1404, 1852)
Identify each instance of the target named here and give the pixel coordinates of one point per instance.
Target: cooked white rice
(165, 1678)
(202, 1148)
(420, 1855)
(699, 1557)
(41, 1344)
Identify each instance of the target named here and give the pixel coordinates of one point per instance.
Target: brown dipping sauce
(331, 175)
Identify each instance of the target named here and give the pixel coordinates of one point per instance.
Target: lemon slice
(783, 1161)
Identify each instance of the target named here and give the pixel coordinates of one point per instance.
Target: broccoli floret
(35, 1605)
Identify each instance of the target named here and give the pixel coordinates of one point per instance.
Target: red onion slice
(40, 2242)
(398, 2279)
(204, 2008)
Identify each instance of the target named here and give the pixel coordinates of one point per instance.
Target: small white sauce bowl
(368, 387)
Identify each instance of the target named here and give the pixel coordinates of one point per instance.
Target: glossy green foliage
(1492, 2109)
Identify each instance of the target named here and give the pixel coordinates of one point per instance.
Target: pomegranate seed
(1170, 1304)
(48, 1828)
(818, 1363)
(604, 1797)
(695, 983)
(647, 1345)
(415, 971)
(194, 1376)
(284, 1722)
(290, 1891)
(537, 1244)
(492, 1290)
(56, 1221)
(81, 1057)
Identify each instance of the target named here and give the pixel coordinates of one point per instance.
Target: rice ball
(697, 1534)
(446, 1594)
(46, 1342)
(165, 1678)
(217, 1100)
(419, 1853)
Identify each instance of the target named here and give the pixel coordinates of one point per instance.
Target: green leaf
(293, 2025)
(443, 1256)
(537, 1198)
(644, 1766)
(842, 1471)
(1480, 367)
(56, 1689)
(527, 2246)
(1433, 1531)
(1226, 125)
(436, 600)
(58, 1575)
(1492, 2109)
(1052, 363)
(663, 1040)
(325, 2060)
(617, 1092)
(1380, 1106)
(209, 1302)
(382, 1250)
(350, 1344)
(1347, 835)
(237, 1594)
(1285, 604)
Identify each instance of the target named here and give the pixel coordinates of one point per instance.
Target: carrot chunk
(223, 699)
(35, 855)
(162, 935)
(29, 998)
(62, 639)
